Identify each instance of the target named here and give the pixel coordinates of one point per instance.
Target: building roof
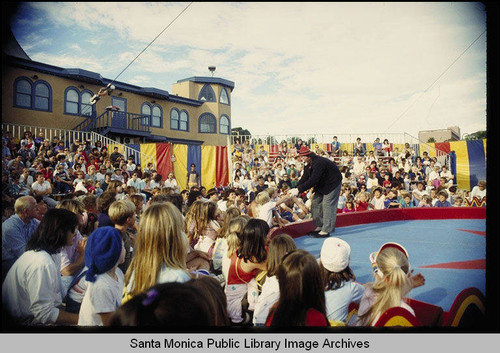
(10, 45)
(213, 80)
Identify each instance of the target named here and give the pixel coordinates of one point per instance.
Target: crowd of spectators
(153, 217)
(375, 179)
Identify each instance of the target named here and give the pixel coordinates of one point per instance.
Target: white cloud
(338, 66)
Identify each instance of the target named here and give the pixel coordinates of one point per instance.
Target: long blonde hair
(230, 214)
(233, 233)
(160, 242)
(208, 213)
(192, 215)
(391, 287)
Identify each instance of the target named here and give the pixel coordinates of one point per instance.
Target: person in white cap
(340, 286)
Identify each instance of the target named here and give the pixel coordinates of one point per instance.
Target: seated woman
(31, 292)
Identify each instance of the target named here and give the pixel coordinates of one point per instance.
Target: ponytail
(391, 286)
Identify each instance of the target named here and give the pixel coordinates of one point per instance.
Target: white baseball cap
(335, 254)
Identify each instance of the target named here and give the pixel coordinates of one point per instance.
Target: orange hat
(304, 151)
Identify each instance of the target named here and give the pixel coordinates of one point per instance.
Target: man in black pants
(324, 176)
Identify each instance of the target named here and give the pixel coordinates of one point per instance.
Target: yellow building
(197, 112)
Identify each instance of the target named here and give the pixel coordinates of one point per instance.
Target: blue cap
(102, 251)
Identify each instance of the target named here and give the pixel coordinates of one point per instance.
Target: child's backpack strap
(71, 305)
(75, 280)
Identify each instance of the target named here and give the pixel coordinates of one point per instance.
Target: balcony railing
(117, 121)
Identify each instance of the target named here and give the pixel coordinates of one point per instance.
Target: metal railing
(69, 136)
(116, 119)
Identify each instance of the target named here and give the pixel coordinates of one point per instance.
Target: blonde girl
(192, 215)
(117, 187)
(361, 201)
(231, 213)
(246, 263)
(220, 247)
(393, 281)
(196, 260)
(160, 250)
(232, 241)
(207, 228)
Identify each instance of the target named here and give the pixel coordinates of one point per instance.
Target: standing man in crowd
(335, 146)
(193, 177)
(324, 176)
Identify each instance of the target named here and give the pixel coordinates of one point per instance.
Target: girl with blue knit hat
(104, 252)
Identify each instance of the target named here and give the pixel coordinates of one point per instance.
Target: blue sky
(297, 67)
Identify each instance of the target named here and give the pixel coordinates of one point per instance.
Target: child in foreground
(104, 252)
(301, 288)
(280, 245)
(393, 281)
(340, 286)
(246, 262)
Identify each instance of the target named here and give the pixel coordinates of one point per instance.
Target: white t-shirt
(226, 264)
(371, 183)
(36, 186)
(266, 212)
(102, 296)
(477, 192)
(204, 243)
(268, 297)
(171, 184)
(32, 289)
(378, 204)
(99, 176)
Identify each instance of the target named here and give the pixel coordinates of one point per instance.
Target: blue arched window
(78, 103)
(207, 124)
(179, 120)
(184, 120)
(41, 96)
(156, 116)
(207, 94)
(153, 115)
(86, 107)
(32, 95)
(224, 97)
(146, 112)
(22, 89)
(224, 125)
(174, 119)
(71, 101)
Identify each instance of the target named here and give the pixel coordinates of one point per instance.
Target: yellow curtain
(463, 168)
(180, 164)
(208, 166)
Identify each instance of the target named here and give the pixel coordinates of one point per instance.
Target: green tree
(476, 135)
(242, 134)
(238, 131)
